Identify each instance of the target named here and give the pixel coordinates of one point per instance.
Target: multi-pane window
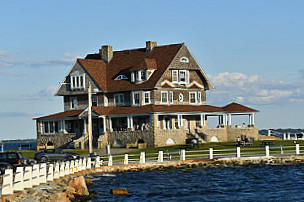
(51, 127)
(164, 97)
(94, 100)
(136, 99)
(147, 97)
(192, 97)
(171, 97)
(119, 99)
(73, 101)
(143, 75)
(180, 76)
(77, 81)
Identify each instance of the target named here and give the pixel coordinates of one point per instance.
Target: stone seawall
(73, 187)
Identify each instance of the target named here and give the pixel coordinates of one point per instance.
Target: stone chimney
(150, 45)
(106, 53)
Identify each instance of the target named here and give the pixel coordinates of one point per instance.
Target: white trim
(161, 97)
(171, 97)
(133, 100)
(199, 97)
(104, 124)
(184, 59)
(195, 93)
(177, 77)
(186, 79)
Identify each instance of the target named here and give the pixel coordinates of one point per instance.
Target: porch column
(252, 119)
(180, 120)
(63, 125)
(41, 127)
(131, 122)
(104, 124)
(128, 122)
(84, 126)
(110, 123)
(229, 119)
(224, 120)
(157, 120)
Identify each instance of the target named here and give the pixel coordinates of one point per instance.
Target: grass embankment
(171, 149)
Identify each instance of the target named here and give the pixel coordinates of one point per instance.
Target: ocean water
(252, 183)
(19, 146)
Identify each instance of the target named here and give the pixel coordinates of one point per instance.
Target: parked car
(14, 159)
(4, 166)
(55, 155)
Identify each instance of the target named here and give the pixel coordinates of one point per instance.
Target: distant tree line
(281, 131)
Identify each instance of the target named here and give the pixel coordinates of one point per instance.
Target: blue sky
(251, 50)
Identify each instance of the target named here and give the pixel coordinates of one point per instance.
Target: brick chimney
(106, 53)
(150, 45)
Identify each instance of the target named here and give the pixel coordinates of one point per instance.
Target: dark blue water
(19, 146)
(254, 183)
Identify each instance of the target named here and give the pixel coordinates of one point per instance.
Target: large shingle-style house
(155, 95)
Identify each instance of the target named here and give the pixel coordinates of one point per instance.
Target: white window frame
(180, 72)
(76, 76)
(73, 103)
(121, 99)
(171, 97)
(133, 98)
(161, 97)
(121, 77)
(199, 97)
(195, 97)
(146, 93)
(175, 73)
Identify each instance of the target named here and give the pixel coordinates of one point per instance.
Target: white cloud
(255, 89)
(44, 94)
(11, 60)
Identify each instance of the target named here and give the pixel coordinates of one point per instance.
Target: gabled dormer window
(77, 80)
(121, 77)
(139, 76)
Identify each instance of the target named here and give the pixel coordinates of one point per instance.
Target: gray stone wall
(129, 137)
(59, 140)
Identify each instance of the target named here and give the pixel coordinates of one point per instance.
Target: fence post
(238, 152)
(76, 166)
(42, 173)
(27, 178)
(110, 162)
(267, 150)
(18, 181)
(84, 164)
(182, 156)
(61, 169)
(97, 162)
(126, 159)
(297, 149)
(80, 165)
(67, 168)
(35, 175)
(160, 156)
(89, 163)
(50, 175)
(7, 184)
(210, 153)
(284, 136)
(282, 152)
(72, 165)
(142, 158)
(56, 172)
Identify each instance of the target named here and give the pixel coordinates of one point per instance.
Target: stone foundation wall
(129, 137)
(179, 136)
(251, 132)
(59, 140)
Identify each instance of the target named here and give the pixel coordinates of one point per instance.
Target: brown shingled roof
(66, 114)
(125, 61)
(235, 107)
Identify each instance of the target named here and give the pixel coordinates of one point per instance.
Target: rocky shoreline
(74, 187)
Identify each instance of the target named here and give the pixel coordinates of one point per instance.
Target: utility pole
(90, 117)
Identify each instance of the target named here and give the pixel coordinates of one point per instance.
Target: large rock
(79, 185)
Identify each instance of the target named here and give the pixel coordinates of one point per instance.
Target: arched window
(121, 77)
(184, 59)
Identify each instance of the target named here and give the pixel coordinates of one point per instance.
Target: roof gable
(235, 107)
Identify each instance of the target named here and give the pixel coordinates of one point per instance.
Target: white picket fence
(29, 176)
